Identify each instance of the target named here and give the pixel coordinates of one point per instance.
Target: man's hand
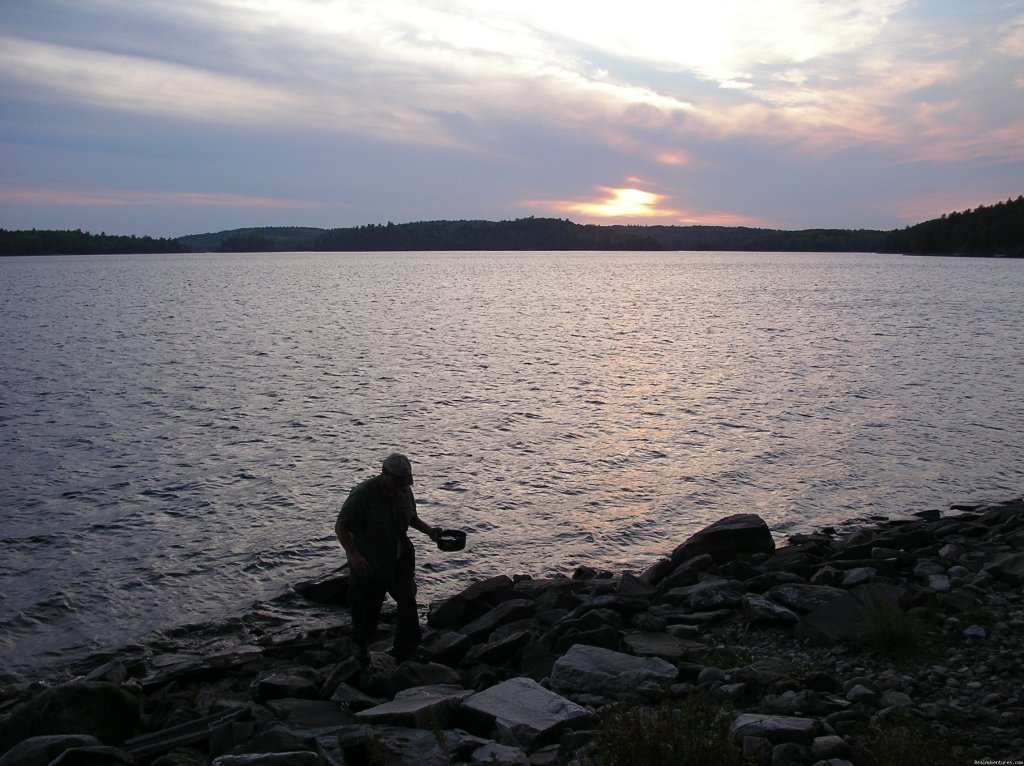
(358, 563)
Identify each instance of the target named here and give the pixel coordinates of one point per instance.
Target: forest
(995, 230)
(987, 230)
(78, 242)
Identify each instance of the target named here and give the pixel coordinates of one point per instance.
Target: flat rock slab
(663, 645)
(776, 728)
(594, 670)
(426, 711)
(524, 712)
(310, 714)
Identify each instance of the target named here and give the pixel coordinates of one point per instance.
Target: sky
(175, 117)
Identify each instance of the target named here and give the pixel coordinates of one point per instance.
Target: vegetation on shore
(996, 230)
(78, 242)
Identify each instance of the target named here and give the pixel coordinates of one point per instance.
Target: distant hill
(265, 239)
(987, 230)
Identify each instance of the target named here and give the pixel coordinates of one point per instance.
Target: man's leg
(403, 591)
(365, 598)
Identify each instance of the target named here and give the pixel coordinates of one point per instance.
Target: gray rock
(299, 758)
(842, 619)
(524, 713)
(861, 693)
(595, 670)
(830, 746)
(493, 754)
(804, 597)
(309, 714)
(506, 612)
(463, 606)
(1008, 567)
(777, 728)
(650, 644)
(727, 538)
(108, 712)
(759, 609)
(938, 583)
(94, 755)
(353, 698)
(894, 698)
(446, 646)
(859, 576)
(39, 751)
(425, 711)
(707, 595)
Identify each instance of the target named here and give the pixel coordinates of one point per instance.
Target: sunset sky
(173, 117)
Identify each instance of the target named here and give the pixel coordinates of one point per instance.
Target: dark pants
(366, 597)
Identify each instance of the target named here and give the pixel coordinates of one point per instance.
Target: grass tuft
(694, 732)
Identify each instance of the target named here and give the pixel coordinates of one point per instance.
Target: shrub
(888, 630)
(905, 742)
(690, 733)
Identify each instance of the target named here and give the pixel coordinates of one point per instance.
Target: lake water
(177, 432)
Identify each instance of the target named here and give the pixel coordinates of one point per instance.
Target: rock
(418, 711)
(352, 698)
(861, 693)
(94, 755)
(859, 576)
(39, 751)
(727, 538)
(445, 646)
(894, 698)
(939, 583)
(975, 631)
(466, 605)
(504, 613)
(1008, 567)
(707, 595)
(275, 738)
(309, 714)
(595, 670)
(523, 711)
(301, 683)
(759, 609)
(301, 758)
(493, 754)
(499, 651)
(776, 728)
(830, 746)
(392, 745)
(842, 619)
(331, 589)
(804, 597)
(647, 644)
(100, 709)
(412, 674)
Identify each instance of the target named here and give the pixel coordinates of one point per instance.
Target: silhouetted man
(372, 528)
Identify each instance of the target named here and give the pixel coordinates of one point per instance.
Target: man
(372, 527)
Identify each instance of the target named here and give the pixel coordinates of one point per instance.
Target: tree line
(987, 230)
(78, 242)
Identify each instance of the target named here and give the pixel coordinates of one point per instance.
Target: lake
(177, 432)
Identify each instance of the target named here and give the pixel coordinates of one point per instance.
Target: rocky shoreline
(896, 642)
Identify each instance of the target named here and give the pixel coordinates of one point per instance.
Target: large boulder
(727, 538)
(103, 710)
(523, 712)
(594, 670)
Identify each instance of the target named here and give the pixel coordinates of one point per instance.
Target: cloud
(82, 197)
